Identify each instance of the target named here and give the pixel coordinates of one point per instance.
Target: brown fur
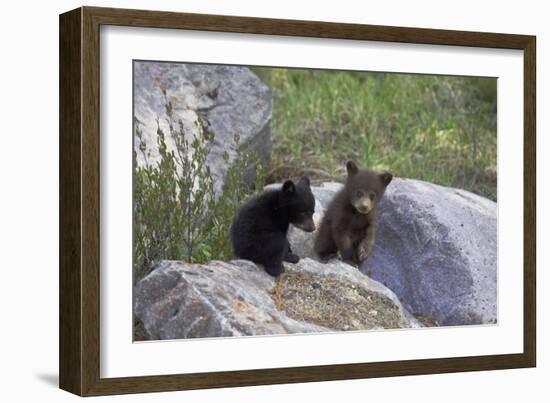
(349, 222)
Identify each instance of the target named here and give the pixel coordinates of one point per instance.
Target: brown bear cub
(349, 222)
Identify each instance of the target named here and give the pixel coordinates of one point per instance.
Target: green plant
(235, 192)
(441, 129)
(177, 213)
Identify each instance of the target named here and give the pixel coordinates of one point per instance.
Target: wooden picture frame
(79, 316)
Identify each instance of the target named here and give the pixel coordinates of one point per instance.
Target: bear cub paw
(292, 258)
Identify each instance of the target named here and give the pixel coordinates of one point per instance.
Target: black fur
(259, 230)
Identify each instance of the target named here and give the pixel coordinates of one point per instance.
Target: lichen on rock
(238, 298)
(330, 302)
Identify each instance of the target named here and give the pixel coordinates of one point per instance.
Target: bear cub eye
(359, 194)
(372, 195)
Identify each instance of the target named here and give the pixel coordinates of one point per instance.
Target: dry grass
(333, 303)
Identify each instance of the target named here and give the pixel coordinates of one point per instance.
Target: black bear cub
(349, 222)
(259, 231)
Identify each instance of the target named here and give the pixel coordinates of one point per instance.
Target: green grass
(434, 128)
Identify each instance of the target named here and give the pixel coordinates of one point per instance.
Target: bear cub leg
(324, 246)
(347, 250)
(276, 251)
(364, 247)
(289, 256)
(275, 269)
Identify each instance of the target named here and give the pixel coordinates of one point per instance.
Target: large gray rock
(435, 247)
(224, 100)
(238, 298)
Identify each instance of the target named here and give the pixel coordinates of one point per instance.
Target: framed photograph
(249, 201)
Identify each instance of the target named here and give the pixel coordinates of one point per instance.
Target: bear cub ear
(304, 181)
(288, 187)
(386, 178)
(352, 168)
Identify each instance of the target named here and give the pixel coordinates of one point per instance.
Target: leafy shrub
(177, 213)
